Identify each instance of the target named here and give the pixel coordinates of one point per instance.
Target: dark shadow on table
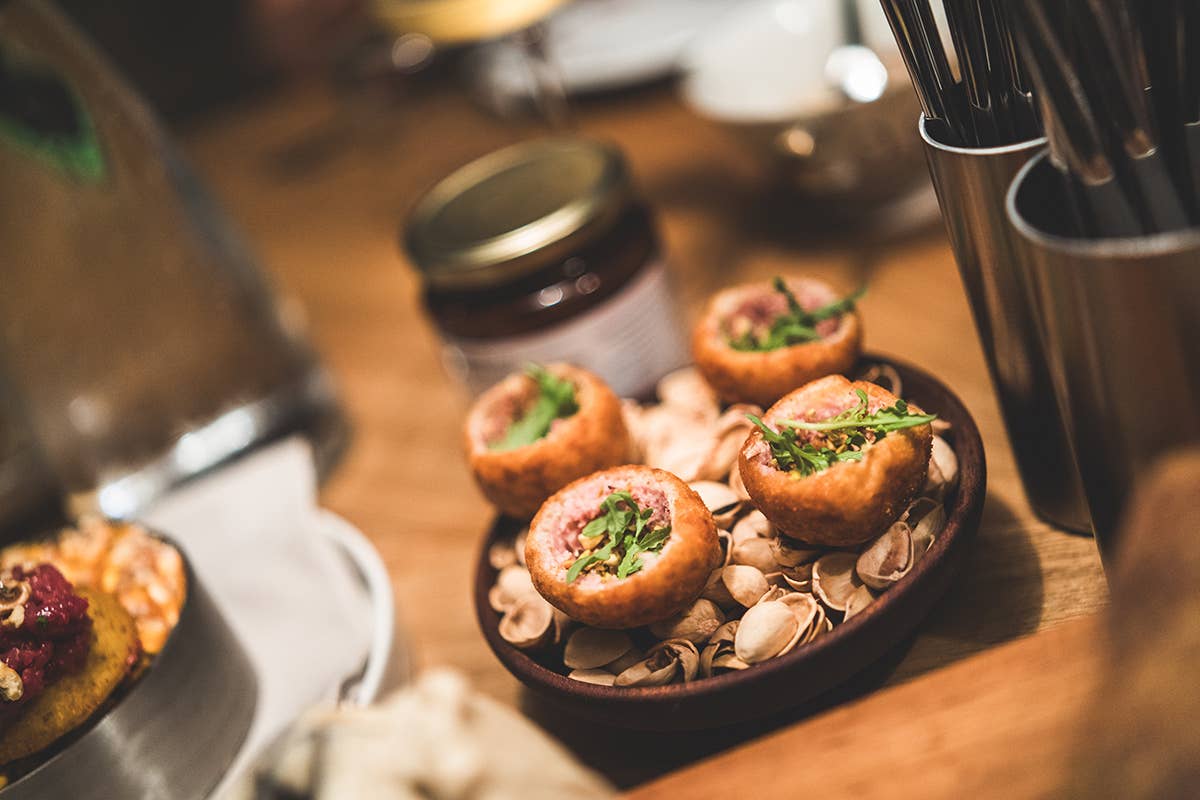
(630, 757)
(996, 597)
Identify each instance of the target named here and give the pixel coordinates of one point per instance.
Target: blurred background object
(778, 75)
(437, 739)
(138, 338)
(1139, 739)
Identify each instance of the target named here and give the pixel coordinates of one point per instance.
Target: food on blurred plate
(836, 462)
(145, 573)
(757, 342)
(80, 616)
(623, 547)
(533, 433)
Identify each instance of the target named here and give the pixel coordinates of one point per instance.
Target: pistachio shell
(943, 468)
(737, 484)
(766, 630)
(529, 624)
(588, 648)
(706, 659)
(754, 553)
(728, 660)
(685, 653)
(722, 501)
(862, 597)
(725, 633)
(743, 583)
(888, 559)
(774, 593)
(501, 555)
(563, 625)
(598, 677)
(726, 542)
(658, 669)
(752, 526)
(885, 375)
(805, 608)
(625, 662)
(715, 590)
(519, 546)
(834, 580)
(727, 435)
(696, 623)
(928, 529)
(685, 457)
(512, 585)
(686, 392)
(918, 509)
(790, 553)
(798, 578)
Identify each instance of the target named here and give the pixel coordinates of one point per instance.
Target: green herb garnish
(796, 326)
(622, 529)
(555, 400)
(843, 436)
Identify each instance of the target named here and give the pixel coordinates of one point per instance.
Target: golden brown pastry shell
(671, 583)
(518, 481)
(763, 378)
(851, 502)
(74, 698)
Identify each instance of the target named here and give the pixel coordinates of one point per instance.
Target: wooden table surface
(327, 232)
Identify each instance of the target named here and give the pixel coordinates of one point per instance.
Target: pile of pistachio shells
(771, 595)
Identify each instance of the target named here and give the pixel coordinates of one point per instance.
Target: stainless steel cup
(1122, 329)
(971, 184)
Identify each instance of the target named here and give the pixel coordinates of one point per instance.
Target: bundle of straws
(1112, 82)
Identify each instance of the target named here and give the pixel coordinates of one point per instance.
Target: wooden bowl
(807, 671)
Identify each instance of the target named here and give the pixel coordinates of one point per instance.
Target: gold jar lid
(513, 211)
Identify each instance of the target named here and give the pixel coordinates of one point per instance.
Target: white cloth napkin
(255, 537)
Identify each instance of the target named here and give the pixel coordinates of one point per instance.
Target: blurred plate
(601, 45)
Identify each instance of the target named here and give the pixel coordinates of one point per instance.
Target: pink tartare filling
(567, 518)
(764, 305)
(511, 400)
(811, 408)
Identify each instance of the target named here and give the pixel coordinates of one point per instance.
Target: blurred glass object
(598, 46)
(542, 252)
(817, 90)
(139, 343)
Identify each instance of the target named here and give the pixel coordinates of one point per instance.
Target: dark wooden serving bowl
(807, 671)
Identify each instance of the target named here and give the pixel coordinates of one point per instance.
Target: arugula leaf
(555, 400)
(797, 326)
(847, 432)
(624, 525)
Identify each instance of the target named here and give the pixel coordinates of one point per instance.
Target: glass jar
(542, 252)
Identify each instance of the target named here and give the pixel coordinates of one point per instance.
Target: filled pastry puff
(623, 547)
(533, 433)
(757, 342)
(835, 463)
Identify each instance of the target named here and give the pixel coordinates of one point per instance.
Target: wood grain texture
(329, 238)
(1002, 724)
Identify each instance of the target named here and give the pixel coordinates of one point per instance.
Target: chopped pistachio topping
(841, 437)
(613, 542)
(555, 400)
(795, 326)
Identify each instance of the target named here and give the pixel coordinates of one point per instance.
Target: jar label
(630, 340)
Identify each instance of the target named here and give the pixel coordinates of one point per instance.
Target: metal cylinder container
(1122, 329)
(971, 184)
